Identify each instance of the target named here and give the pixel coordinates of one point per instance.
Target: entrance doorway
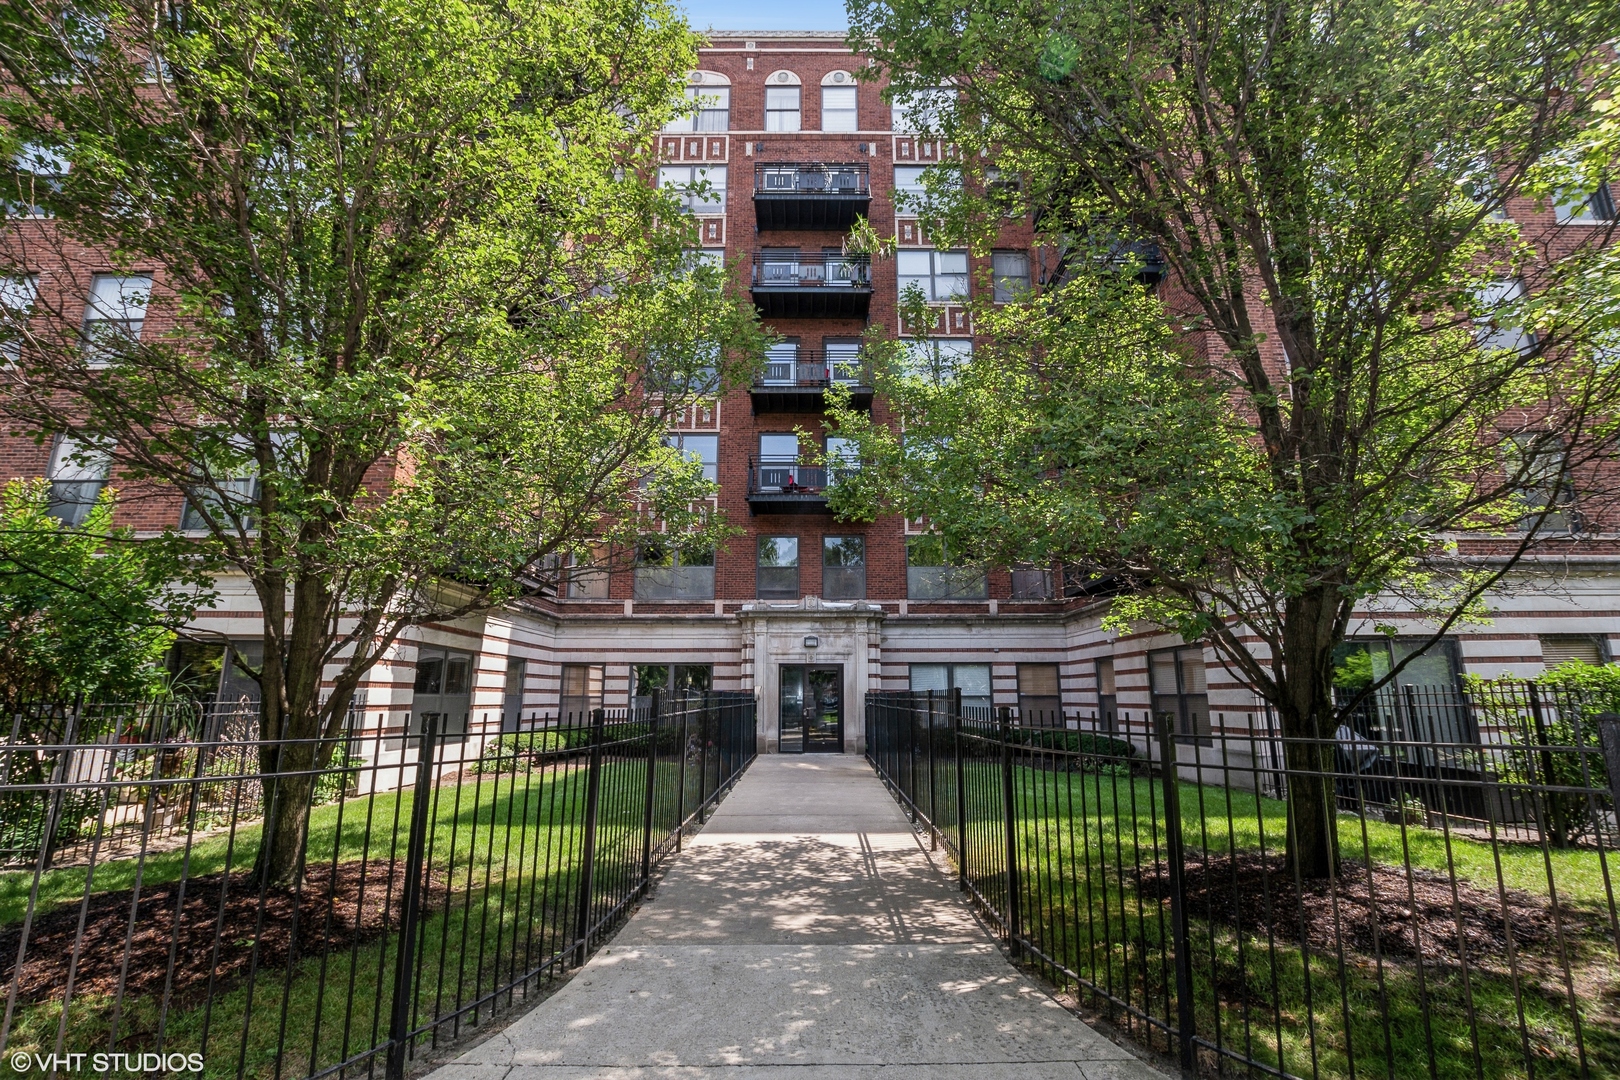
(812, 709)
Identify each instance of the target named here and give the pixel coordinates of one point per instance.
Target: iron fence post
(1554, 816)
(399, 1020)
(961, 792)
(53, 811)
(680, 802)
(703, 760)
(1609, 738)
(652, 776)
(1009, 810)
(1178, 903)
(587, 864)
(933, 795)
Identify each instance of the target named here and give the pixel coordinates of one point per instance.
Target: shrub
(518, 752)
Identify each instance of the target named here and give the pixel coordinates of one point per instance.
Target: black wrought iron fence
(444, 876)
(1151, 876)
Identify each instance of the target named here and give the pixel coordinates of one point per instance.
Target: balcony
(786, 486)
(798, 383)
(810, 195)
(791, 285)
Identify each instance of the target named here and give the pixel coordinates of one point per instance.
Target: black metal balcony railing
(810, 194)
(790, 284)
(789, 486)
(814, 370)
(785, 476)
(812, 178)
(797, 383)
(792, 270)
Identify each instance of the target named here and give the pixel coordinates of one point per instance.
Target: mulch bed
(1420, 917)
(331, 916)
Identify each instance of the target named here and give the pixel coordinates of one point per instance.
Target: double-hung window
(77, 474)
(223, 500)
(781, 108)
(1011, 270)
(940, 275)
(912, 190)
(778, 568)
(939, 358)
(1177, 680)
(838, 108)
(16, 304)
(1040, 700)
(843, 567)
(1499, 325)
(40, 172)
(920, 110)
(713, 110)
(700, 189)
(114, 315)
(972, 679)
(704, 449)
(1577, 207)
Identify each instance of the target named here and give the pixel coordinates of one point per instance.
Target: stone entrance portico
(811, 631)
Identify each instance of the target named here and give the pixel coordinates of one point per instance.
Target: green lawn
(1259, 990)
(504, 852)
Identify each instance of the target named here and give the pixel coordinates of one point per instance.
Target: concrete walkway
(803, 935)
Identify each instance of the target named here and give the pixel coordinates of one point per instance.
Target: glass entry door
(812, 716)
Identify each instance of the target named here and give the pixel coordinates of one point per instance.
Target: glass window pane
(930, 677)
(843, 551)
(779, 447)
(1163, 676)
(972, 679)
(913, 263)
(779, 551)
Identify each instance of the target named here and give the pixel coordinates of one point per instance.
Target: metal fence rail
(1464, 930)
(443, 877)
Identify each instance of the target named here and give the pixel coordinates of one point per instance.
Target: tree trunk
(294, 750)
(1312, 627)
(287, 797)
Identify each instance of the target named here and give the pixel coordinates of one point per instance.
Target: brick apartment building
(807, 611)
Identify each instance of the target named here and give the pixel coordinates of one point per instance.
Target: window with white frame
(40, 172)
(972, 679)
(1585, 208)
(77, 473)
(920, 110)
(704, 449)
(1499, 325)
(115, 313)
(700, 189)
(712, 105)
(938, 358)
(838, 109)
(1011, 271)
(912, 190)
(941, 275)
(781, 108)
(16, 304)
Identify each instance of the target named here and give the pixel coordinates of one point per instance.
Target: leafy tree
(1354, 401)
(85, 610)
(416, 324)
